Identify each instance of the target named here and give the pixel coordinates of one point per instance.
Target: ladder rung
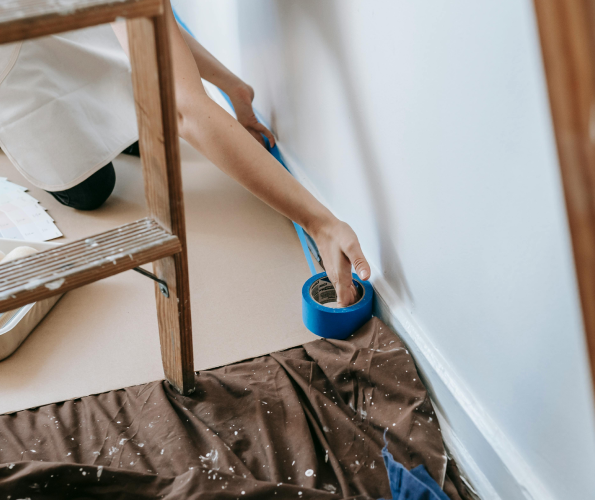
(24, 19)
(55, 271)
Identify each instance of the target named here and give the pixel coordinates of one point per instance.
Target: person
(67, 110)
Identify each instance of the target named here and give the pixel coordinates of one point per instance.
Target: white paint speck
(54, 285)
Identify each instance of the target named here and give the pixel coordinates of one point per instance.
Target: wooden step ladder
(161, 238)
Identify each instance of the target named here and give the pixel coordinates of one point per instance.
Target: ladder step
(55, 271)
(24, 19)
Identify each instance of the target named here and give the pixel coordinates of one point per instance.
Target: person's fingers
(267, 133)
(346, 294)
(355, 255)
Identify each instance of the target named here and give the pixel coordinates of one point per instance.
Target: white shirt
(66, 105)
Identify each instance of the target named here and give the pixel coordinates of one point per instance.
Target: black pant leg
(91, 193)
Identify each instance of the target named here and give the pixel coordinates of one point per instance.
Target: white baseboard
(472, 475)
(486, 458)
(485, 455)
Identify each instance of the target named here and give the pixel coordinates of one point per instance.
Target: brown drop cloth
(302, 423)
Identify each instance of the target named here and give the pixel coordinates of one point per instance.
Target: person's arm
(240, 93)
(209, 129)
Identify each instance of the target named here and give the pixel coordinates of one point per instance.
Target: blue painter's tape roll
(334, 323)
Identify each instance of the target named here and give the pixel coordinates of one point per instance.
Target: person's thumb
(355, 255)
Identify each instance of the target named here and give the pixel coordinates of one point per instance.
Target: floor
(246, 274)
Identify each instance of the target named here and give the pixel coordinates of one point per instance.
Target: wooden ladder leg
(152, 79)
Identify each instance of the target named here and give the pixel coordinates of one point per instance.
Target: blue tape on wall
(324, 321)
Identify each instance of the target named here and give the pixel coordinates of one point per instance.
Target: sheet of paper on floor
(21, 215)
(246, 273)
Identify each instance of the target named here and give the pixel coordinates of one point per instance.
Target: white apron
(66, 105)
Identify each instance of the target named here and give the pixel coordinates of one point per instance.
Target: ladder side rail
(152, 79)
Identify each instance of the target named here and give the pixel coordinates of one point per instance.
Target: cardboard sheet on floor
(246, 273)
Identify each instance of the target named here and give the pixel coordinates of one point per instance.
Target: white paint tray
(16, 325)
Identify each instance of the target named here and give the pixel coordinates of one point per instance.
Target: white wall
(426, 126)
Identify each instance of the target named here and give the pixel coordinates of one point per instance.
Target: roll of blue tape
(334, 323)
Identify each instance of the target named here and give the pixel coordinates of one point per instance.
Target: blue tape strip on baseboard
(302, 236)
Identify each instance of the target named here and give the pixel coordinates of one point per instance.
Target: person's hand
(340, 249)
(242, 98)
